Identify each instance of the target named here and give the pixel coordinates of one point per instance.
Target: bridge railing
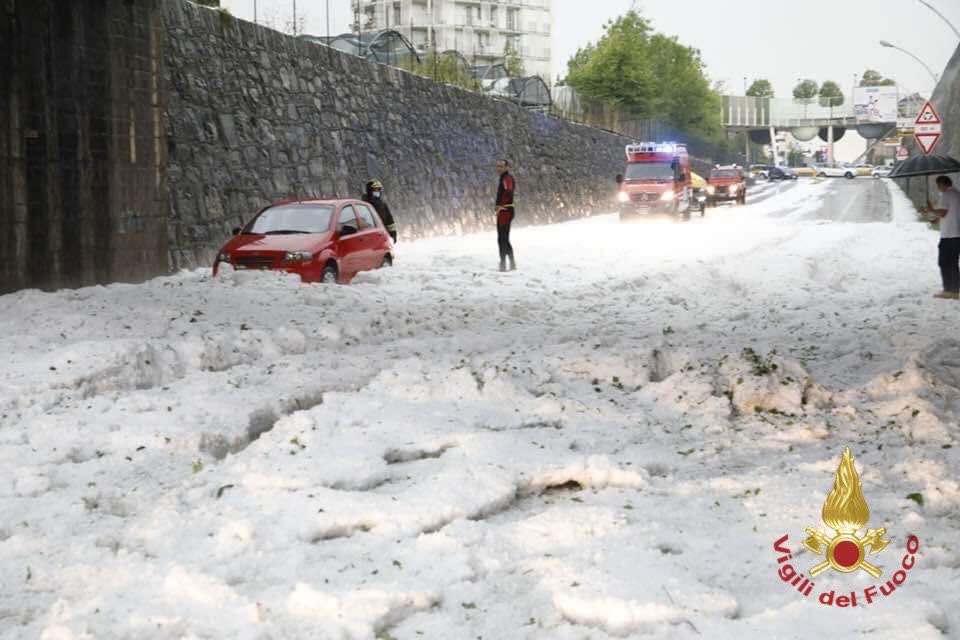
(745, 111)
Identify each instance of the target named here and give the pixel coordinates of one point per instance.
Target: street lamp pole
(884, 43)
(942, 17)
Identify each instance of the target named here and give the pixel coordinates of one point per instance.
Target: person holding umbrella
(948, 213)
(949, 216)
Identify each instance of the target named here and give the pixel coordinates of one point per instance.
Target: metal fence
(569, 105)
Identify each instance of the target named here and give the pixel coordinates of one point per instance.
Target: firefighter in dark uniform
(374, 197)
(505, 214)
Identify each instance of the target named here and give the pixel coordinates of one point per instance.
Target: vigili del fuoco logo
(843, 550)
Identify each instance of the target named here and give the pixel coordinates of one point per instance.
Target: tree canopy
(760, 89)
(831, 95)
(871, 78)
(806, 91)
(647, 74)
(512, 61)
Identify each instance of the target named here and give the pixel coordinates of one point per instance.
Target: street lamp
(942, 17)
(884, 43)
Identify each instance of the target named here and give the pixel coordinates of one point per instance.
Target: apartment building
(479, 29)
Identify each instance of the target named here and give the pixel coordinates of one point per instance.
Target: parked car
(882, 171)
(828, 171)
(761, 171)
(726, 183)
(781, 173)
(320, 240)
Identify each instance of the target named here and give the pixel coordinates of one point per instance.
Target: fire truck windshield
(649, 171)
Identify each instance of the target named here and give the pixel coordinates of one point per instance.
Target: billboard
(875, 104)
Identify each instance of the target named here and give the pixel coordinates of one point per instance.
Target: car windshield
(292, 219)
(725, 173)
(649, 171)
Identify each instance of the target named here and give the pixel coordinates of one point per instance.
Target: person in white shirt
(949, 215)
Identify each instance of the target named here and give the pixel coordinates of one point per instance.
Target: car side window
(347, 219)
(367, 220)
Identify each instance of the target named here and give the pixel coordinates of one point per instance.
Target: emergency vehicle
(657, 179)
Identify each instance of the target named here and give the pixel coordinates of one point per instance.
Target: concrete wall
(256, 116)
(946, 100)
(81, 180)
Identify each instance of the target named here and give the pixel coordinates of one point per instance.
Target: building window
(397, 15)
(513, 20)
(494, 16)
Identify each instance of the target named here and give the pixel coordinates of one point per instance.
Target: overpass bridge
(761, 118)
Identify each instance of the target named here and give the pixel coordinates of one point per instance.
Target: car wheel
(387, 261)
(821, 175)
(329, 275)
(848, 175)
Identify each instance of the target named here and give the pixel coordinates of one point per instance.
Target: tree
(512, 60)
(873, 78)
(760, 89)
(831, 95)
(446, 67)
(648, 75)
(806, 91)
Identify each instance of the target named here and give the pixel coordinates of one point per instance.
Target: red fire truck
(656, 180)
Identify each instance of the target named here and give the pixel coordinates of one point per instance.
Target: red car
(320, 240)
(726, 183)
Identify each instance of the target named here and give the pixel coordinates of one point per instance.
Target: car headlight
(223, 256)
(297, 257)
(668, 196)
(623, 196)
(711, 189)
(734, 188)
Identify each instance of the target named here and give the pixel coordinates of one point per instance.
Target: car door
(349, 242)
(372, 239)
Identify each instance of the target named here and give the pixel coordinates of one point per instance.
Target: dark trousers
(949, 260)
(504, 220)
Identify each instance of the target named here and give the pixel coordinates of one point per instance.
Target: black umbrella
(925, 166)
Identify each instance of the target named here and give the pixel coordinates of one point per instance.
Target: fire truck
(657, 179)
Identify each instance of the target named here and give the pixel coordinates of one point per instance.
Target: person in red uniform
(505, 214)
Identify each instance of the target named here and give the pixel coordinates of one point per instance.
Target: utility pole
(853, 95)
(294, 17)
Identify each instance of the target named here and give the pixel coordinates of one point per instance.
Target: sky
(780, 41)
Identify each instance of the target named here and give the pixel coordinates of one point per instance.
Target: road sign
(928, 128)
(902, 154)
